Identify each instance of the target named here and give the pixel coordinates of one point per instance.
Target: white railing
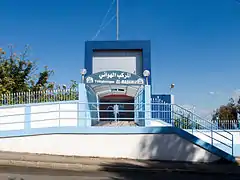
(184, 119)
(39, 96)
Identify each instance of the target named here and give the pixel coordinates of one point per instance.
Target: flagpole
(117, 16)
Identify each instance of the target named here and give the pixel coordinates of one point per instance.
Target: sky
(194, 44)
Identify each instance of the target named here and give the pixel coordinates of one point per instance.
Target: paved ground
(11, 173)
(25, 166)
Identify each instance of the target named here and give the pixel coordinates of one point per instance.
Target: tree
(18, 73)
(20, 84)
(226, 115)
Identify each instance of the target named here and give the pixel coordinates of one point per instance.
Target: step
(118, 123)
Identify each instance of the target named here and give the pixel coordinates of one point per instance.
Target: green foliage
(185, 122)
(20, 83)
(18, 73)
(226, 114)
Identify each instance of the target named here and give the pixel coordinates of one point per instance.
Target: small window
(118, 90)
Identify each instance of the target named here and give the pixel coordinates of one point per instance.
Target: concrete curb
(94, 168)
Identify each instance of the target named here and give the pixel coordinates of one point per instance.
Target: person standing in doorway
(116, 111)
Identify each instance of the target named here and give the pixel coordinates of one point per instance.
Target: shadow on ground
(172, 147)
(168, 174)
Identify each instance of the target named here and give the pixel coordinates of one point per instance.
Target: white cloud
(211, 93)
(215, 93)
(236, 95)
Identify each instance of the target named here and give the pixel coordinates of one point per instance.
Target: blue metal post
(193, 122)
(59, 114)
(27, 119)
(211, 135)
(83, 109)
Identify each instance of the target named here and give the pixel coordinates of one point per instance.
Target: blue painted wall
(161, 107)
(164, 97)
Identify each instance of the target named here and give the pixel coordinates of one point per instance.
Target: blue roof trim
(119, 130)
(143, 45)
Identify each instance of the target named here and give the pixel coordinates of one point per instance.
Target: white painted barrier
(54, 115)
(12, 118)
(40, 116)
(168, 147)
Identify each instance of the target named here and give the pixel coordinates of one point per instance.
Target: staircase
(192, 123)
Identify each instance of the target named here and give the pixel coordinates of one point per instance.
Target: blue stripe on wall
(27, 120)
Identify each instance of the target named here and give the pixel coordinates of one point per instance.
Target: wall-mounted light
(171, 87)
(146, 74)
(83, 73)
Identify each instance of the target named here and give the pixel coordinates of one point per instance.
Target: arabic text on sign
(115, 75)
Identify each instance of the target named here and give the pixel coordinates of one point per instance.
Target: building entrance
(116, 92)
(116, 107)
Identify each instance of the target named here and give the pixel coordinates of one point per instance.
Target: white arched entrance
(115, 87)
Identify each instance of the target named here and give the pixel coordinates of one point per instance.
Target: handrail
(215, 138)
(211, 123)
(195, 121)
(207, 127)
(205, 121)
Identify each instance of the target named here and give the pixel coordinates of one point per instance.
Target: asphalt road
(19, 173)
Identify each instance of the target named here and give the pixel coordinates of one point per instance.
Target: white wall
(12, 118)
(129, 61)
(53, 115)
(41, 115)
(135, 146)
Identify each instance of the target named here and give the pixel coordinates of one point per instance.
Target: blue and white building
(115, 73)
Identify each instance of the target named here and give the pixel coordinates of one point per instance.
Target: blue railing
(160, 109)
(139, 107)
(93, 103)
(182, 118)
